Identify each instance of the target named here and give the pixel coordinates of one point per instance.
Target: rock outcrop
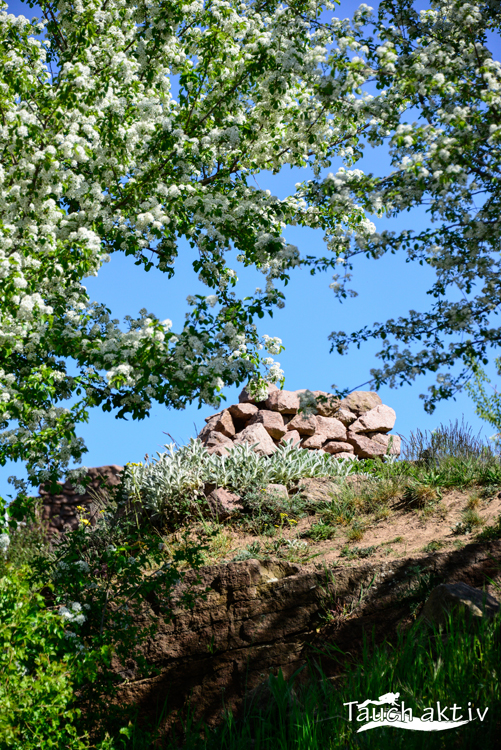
(451, 597)
(357, 425)
(262, 616)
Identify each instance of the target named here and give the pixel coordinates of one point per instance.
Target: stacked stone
(357, 425)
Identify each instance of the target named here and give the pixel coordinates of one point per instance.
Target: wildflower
(4, 542)
(82, 565)
(74, 614)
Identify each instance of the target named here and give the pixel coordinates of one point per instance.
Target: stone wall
(262, 616)
(357, 425)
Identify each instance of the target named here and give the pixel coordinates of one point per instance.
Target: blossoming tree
(98, 157)
(439, 110)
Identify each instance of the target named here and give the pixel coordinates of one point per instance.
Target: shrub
(452, 441)
(36, 689)
(97, 580)
(171, 488)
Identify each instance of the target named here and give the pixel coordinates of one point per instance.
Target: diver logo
(432, 719)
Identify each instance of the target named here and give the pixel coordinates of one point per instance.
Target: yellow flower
(85, 521)
(80, 507)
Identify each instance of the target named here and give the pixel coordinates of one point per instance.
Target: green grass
(422, 666)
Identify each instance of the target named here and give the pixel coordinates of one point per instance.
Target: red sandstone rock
(364, 446)
(319, 489)
(208, 419)
(360, 401)
(60, 511)
(327, 404)
(345, 416)
(259, 617)
(292, 435)
(448, 598)
(314, 442)
(286, 402)
(223, 503)
(272, 422)
(385, 440)
(244, 397)
(380, 419)
(221, 422)
(305, 425)
(218, 443)
(243, 411)
(336, 446)
(276, 489)
(255, 433)
(332, 428)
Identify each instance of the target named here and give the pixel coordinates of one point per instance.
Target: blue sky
(388, 287)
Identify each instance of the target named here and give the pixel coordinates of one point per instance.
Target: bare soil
(403, 533)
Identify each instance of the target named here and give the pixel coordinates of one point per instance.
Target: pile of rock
(357, 425)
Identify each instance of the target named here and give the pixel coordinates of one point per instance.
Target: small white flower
(4, 543)
(82, 566)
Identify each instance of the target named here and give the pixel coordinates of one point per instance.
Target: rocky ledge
(259, 617)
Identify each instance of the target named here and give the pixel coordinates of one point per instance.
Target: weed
(216, 541)
(474, 501)
(340, 511)
(489, 492)
(470, 521)
(396, 540)
(252, 550)
(471, 518)
(419, 494)
(321, 531)
(491, 475)
(454, 440)
(490, 532)
(264, 510)
(352, 552)
(356, 533)
(433, 546)
(419, 585)
(171, 487)
(25, 543)
(385, 490)
(382, 513)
